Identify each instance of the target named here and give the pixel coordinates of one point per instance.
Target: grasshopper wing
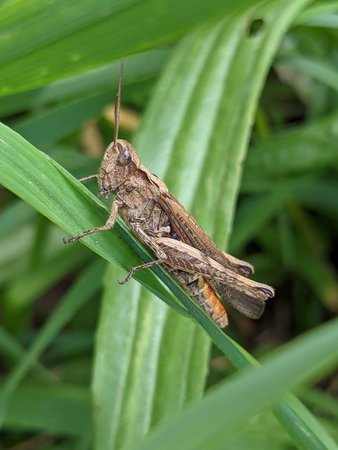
(249, 306)
(189, 231)
(247, 296)
(182, 256)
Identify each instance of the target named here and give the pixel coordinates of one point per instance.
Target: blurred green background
(235, 105)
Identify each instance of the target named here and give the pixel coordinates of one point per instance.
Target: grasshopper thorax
(119, 163)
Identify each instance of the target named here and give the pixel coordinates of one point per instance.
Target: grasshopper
(157, 218)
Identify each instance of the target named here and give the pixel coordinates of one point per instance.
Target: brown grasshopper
(162, 223)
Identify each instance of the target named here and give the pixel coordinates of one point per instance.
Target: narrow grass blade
(88, 282)
(307, 358)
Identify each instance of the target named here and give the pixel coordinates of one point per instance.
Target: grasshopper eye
(124, 157)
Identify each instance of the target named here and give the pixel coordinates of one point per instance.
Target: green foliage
(124, 370)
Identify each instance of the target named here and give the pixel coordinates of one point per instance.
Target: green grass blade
(317, 69)
(65, 39)
(322, 13)
(306, 358)
(295, 151)
(69, 414)
(257, 212)
(141, 66)
(40, 130)
(50, 189)
(128, 385)
(321, 400)
(11, 349)
(88, 282)
(34, 281)
(14, 217)
(114, 354)
(306, 431)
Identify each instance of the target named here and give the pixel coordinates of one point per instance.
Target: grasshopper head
(119, 162)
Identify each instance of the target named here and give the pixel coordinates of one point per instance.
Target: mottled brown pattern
(162, 223)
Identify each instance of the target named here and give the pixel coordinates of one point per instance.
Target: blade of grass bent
(51, 190)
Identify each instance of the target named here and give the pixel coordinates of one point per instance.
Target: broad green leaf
(141, 66)
(65, 39)
(205, 423)
(85, 97)
(40, 130)
(181, 149)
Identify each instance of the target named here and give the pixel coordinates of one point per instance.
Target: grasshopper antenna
(118, 104)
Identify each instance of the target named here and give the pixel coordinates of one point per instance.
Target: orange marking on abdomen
(213, 305)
